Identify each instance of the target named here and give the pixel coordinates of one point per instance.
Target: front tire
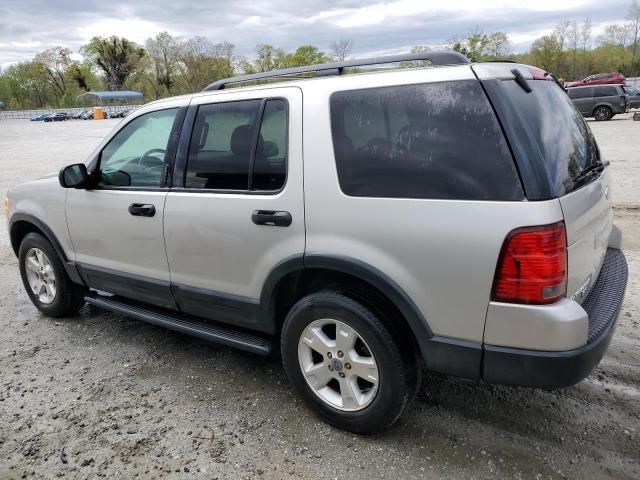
(602, 114)
(346, 365)
(45, 279)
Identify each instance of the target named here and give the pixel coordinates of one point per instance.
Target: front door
(116, 227)
(239, 210)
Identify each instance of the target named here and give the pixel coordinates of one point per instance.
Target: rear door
(236, 209)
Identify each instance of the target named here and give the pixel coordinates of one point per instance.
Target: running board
(179, 323)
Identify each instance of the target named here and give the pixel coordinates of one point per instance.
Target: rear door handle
(272, 218)
(142, 210)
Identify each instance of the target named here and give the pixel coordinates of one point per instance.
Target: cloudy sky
(30, 26)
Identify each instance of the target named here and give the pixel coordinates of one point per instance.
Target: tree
(498, 46)
(560, 33)
(620, 36)
(55, 62)
(341, 49)
(545, 51)
(163, 53)
(306, 55)
(476, 44)
(201, 62)
(573, 36)
(269, 58)
(117, 58)
(633, 15)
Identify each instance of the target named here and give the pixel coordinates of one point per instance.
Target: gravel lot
(104, 395)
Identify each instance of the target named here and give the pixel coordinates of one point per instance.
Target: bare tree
(633, 15)
(341, 49)
(585, 41)
(561, 32)
(573, 36)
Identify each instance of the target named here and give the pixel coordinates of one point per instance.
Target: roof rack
(337, 68)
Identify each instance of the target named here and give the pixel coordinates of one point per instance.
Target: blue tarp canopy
(112, 97)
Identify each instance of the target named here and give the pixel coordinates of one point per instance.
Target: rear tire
(45, 279)
(602, 114)
(345, 363)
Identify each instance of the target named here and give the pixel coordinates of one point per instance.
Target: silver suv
(367, 226)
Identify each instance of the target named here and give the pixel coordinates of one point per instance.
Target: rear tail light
(532, 267)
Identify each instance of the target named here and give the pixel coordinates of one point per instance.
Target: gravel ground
(101, 395)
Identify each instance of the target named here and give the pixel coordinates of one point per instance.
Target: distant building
(105, 99)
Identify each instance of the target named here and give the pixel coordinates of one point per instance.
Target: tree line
(167, 65)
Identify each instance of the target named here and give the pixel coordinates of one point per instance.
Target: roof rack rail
(337, 68)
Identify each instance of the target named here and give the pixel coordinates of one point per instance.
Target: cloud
(30, 26)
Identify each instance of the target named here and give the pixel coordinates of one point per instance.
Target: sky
(375, 27)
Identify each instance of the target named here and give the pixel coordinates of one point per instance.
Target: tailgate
(589, 219)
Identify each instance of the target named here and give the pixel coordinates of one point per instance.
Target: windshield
(564, 138)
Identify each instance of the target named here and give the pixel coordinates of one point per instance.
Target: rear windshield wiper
(589, 173)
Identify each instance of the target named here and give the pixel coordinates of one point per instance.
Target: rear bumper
(543, 369)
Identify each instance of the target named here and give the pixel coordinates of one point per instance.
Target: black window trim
(182, 153)
(170, 156)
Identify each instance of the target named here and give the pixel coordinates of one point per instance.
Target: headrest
(241, 140)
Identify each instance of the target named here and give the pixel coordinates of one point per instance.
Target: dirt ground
(101, 395)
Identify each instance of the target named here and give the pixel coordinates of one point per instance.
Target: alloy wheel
(338, 365)
(40, 275)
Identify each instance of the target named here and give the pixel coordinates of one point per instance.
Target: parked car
(601, 102)
(634, 96)
(39, 118)
(57, 117)
(79, 115)
(454, 218)
(87, 115)
(612, 78)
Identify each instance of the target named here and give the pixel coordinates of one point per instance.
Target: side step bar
(175, 321)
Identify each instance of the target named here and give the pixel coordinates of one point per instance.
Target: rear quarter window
(438, 141)
(606, 92)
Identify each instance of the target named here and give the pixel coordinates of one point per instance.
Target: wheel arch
(300, 275)
(21, 224)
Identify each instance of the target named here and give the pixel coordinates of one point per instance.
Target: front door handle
(271, 217)
(142, 210)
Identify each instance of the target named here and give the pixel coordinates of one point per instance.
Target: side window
(606, 91)
(580, 93)
(270, 168)
(220, 149)
(439, 140)
(222, 143)
(135, 156)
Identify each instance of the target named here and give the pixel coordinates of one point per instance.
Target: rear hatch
(562, 142)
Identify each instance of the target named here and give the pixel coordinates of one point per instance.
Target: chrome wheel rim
(602, 114)
(338, 365)
(40, 275)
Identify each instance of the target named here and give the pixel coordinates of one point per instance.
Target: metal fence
(29, 114)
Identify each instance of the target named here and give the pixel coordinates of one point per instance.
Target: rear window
(605, 92)
(566, 151)
(439, 140)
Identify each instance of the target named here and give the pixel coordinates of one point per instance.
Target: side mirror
(74, 176)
